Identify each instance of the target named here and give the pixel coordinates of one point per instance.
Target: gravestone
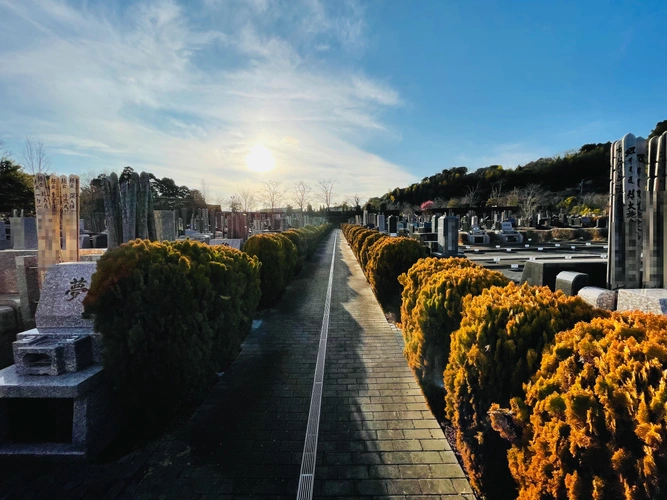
(24, 233)
(58, 372)
(4, 241)
(381, 223)
(84, 241)
(544, 272)
(61, 303)
(100, 240)
(165, 225)
(570, 282)
(27, 280)
(448, 236)
(392, 222)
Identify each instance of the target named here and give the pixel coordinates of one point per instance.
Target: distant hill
(589, 164)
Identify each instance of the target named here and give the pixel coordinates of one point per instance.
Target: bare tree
(272, 194)
(530, 198)
(357, 200)
(497, 191)
(35, 160)
(301, 195)
(234, 203)
(471, 198)
(325, 192)
(247, 199)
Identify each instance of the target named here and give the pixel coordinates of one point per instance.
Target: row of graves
(632, 275)
(441, 233)
(54, 399)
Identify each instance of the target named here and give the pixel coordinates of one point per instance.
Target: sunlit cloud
(189, 95)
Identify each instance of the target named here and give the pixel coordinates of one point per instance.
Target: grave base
(76, 406)
(649, 300)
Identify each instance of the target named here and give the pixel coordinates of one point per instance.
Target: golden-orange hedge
(495, 351)
(432, 307)
(594, 421)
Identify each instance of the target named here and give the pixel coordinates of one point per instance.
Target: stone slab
(544, 272)
(570, 282)
(67, 385)
(44, 355)
(652, 300)
(63, 291)
(63, 333)
(599, 297)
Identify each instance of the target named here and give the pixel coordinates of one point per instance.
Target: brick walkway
(377, 437)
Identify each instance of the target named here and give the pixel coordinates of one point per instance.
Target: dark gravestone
(571, 282)
(100, 241)
(544, 272)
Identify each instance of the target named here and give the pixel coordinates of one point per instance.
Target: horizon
(373, 94)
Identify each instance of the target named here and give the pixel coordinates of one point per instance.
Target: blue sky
(375, 94)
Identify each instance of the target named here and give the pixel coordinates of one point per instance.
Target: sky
(373, 94)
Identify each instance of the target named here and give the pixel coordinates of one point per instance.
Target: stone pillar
(448, 235)
(27, 281)
(381, 223)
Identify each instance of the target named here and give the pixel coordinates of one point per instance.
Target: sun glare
(260, 159)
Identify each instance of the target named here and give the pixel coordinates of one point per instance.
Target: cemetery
(129, 328)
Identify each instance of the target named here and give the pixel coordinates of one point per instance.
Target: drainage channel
(307, 476)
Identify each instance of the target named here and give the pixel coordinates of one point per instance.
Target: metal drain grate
(307, 476)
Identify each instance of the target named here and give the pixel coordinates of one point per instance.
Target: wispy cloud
(186, 94)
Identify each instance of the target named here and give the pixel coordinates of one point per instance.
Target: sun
(260, 159)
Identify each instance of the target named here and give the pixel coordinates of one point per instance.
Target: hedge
(364, 253)
(593, 422)
(495, 351)
(388, 258)
(300, 241)
(280, 257)
(170, 315)
(431, 309)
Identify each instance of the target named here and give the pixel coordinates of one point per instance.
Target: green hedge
(280, 257)
(170, 315)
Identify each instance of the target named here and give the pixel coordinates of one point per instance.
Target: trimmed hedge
(433, 292)
(365, 251)
(593, 423)
(495, 351)
(300, 241)
(170, 315)
(279, 257)
(388, 258)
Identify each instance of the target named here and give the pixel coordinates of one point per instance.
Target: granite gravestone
(392, 222)
(165, 225)
(54, 371)
(4, 241)
(23, 233)
(381, 223)
(448, 236)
